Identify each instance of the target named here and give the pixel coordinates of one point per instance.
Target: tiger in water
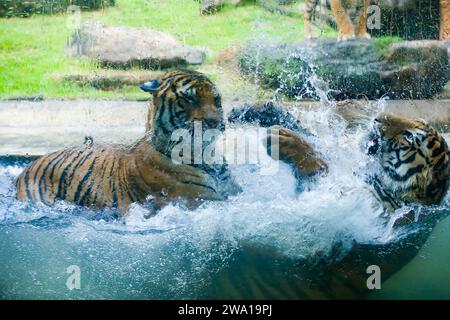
(414, 169)
(413, 156)
(116, 176)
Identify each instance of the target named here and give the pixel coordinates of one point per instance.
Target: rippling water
(180, 253)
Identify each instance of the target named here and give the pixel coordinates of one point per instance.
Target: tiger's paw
(364, 35)
(287, 146)
(346, 37)
(311, 35)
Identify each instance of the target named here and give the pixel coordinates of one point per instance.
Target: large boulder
(416, 69)
(352, 69)
(125, 47)
(25, 8)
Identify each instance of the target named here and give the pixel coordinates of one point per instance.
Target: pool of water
(247, 247)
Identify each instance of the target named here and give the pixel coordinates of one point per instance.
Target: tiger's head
(414, 160)
(180, 99)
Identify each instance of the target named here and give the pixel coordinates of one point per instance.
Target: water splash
(174, 253)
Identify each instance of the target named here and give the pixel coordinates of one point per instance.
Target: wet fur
(414, 158)
(415, 161)
(116, 176)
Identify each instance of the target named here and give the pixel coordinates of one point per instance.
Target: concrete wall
(36, 128)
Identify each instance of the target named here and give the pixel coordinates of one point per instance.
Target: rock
(277, 7)
(416, 69)
(21, 8)
(125, 47)
(353, 69)
(447, 45)
(350, 69)
(408, 19)
(210, 6)
(285, 2)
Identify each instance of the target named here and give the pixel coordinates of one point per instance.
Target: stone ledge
(36, 128)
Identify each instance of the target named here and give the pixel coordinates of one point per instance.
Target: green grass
(32, 49)
(382, 44)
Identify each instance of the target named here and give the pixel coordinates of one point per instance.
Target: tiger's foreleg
(361, 22)
(445, 19)
(287, 146)
(345, 26)
(310, 7)
(166, 181)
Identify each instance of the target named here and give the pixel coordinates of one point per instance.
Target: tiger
(413, 156)
(349, 25)
(413, 167)
(415, 162)
(115, 176)
(354, 25)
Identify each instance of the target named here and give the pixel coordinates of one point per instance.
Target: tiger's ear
(150, 86)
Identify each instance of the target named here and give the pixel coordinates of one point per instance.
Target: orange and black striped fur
(414, 164)
(445, 19)
(349, 25)
(116, 176)
(354, 25)
(414, 159)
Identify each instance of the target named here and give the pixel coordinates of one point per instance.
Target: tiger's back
(116, 177)
(87, 176)
(96, 176)
(445, 19)
(70, 174)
